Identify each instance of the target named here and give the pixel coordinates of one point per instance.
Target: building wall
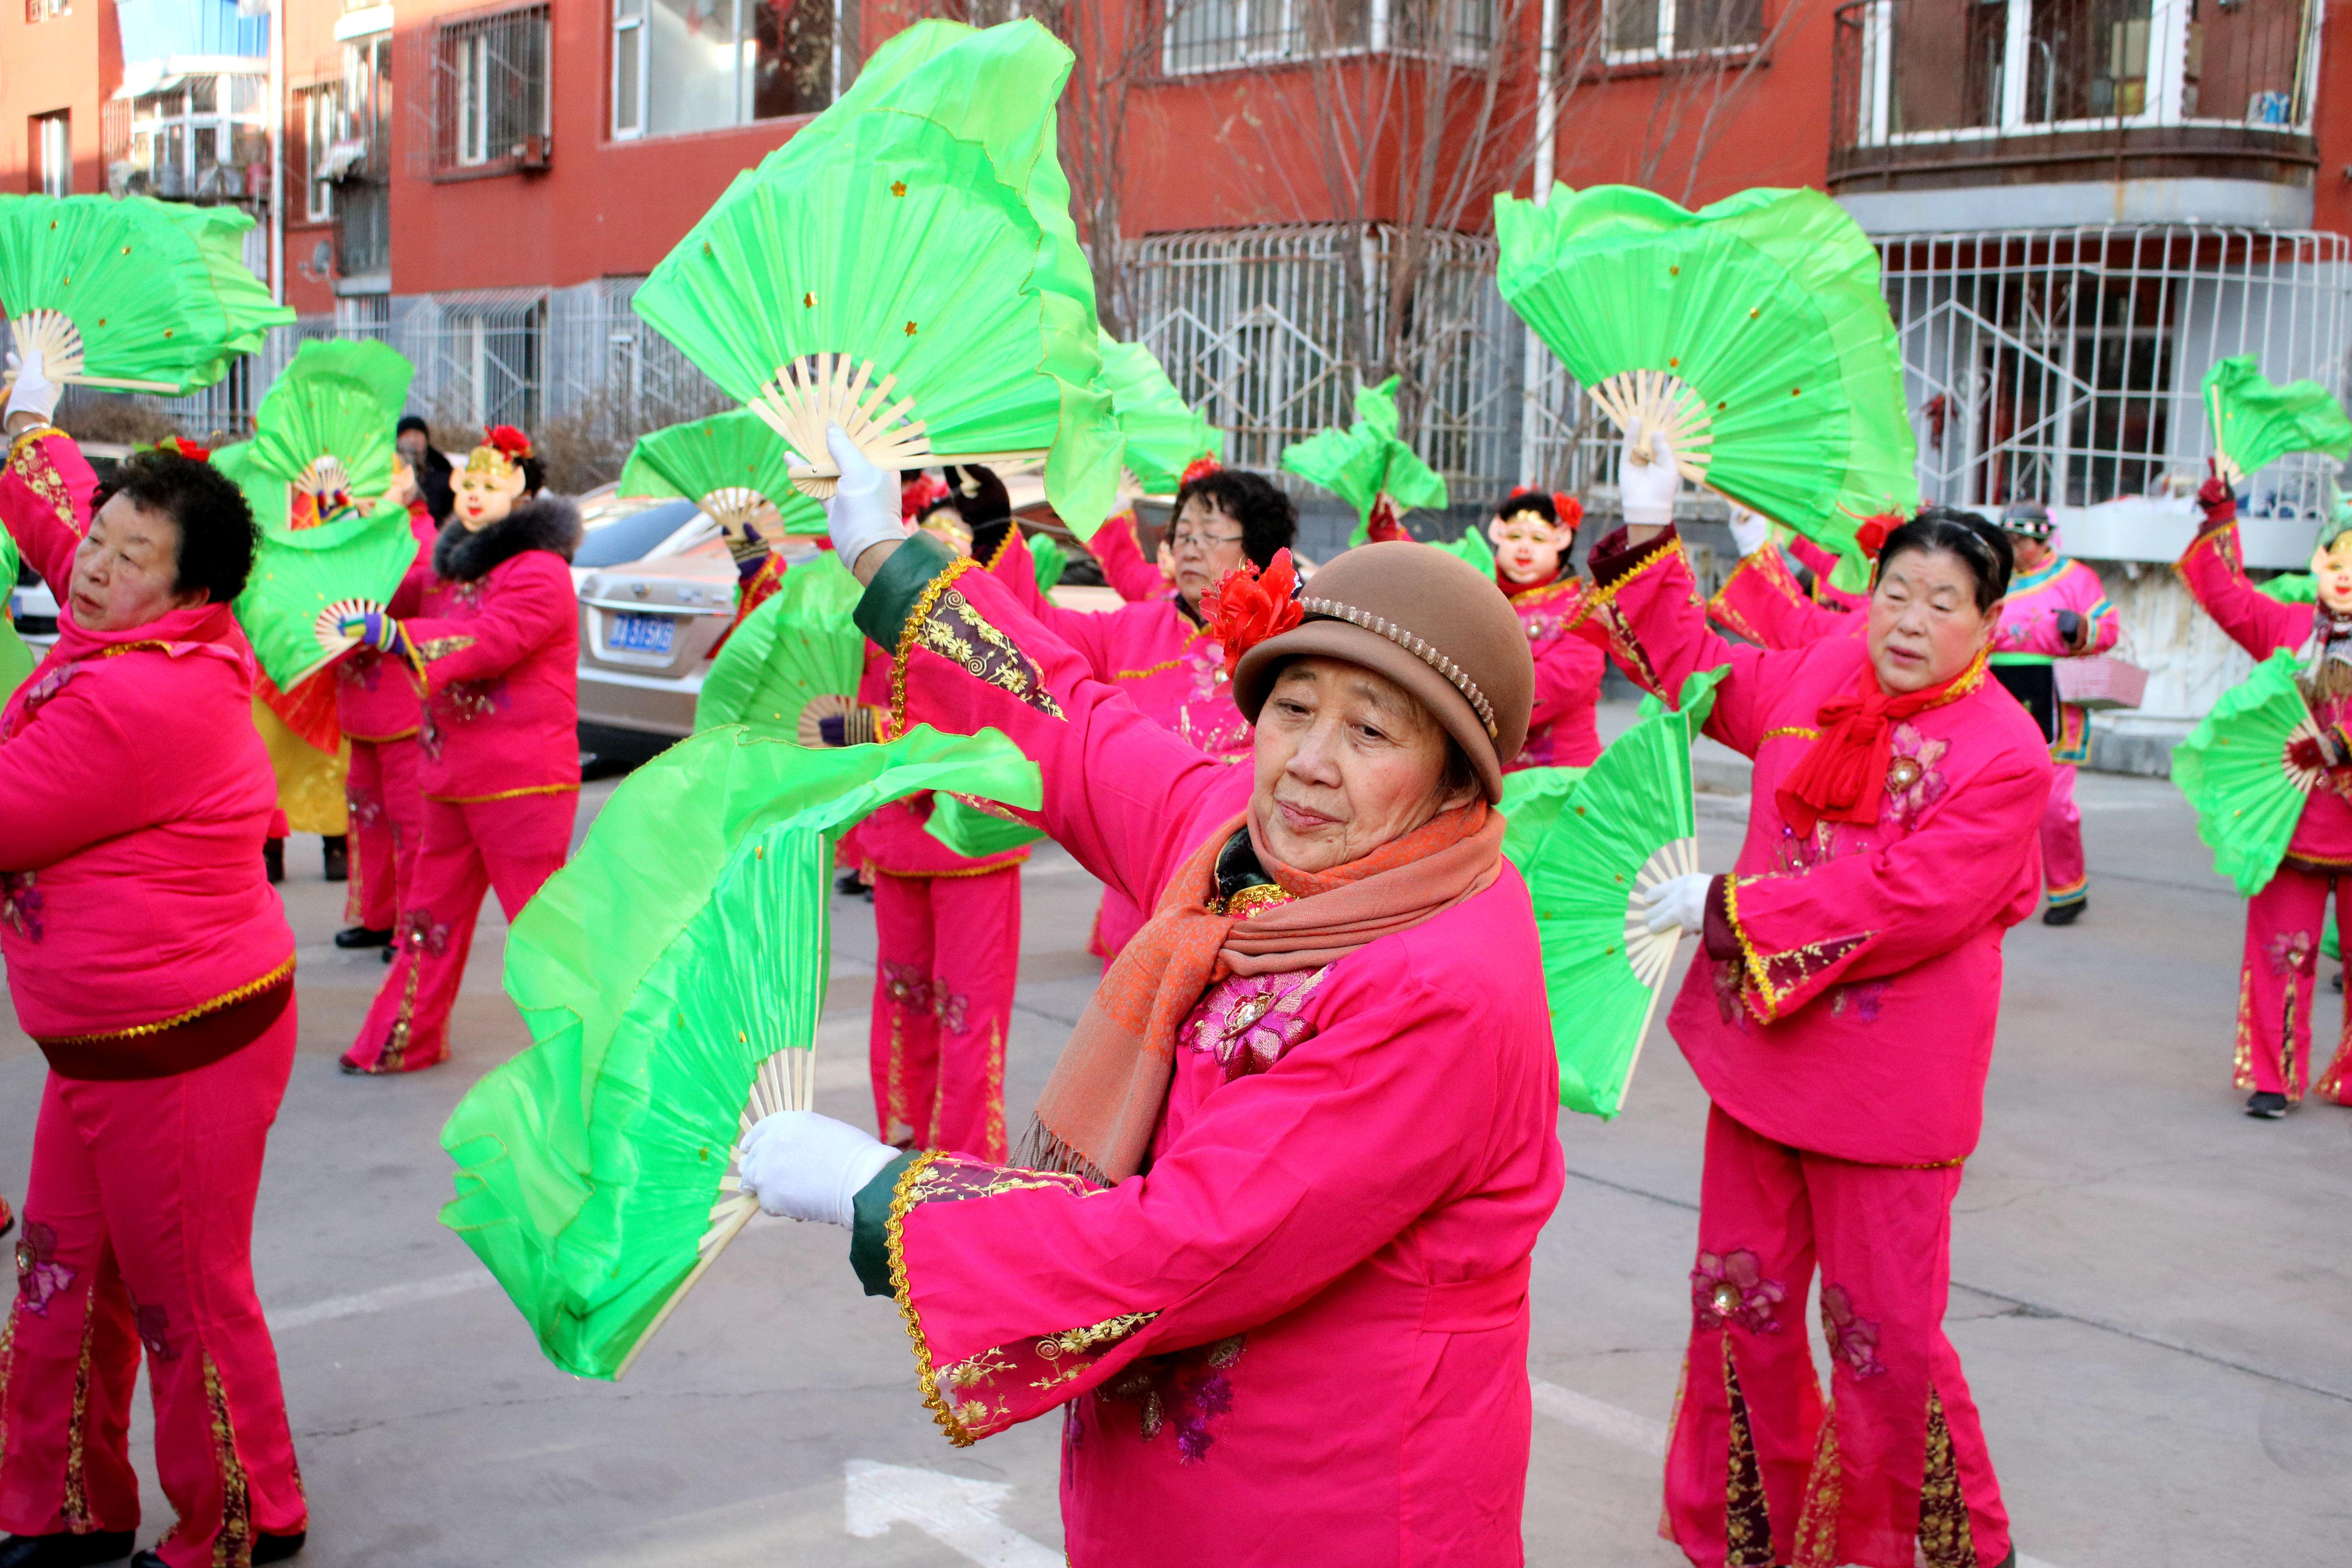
(68, 62)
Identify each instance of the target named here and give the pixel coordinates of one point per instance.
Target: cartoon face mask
(1528, 549)
(487, 489)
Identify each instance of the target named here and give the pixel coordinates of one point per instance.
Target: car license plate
(643, 634)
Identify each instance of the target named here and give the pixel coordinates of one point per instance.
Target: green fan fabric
(1050, 560)
(2232, 769)
(1767, 303)
(799, 645)
(16, 660)
(297, 572)
(1163, 436)
(337, 398)
(2256, 423)
(687, 941)
(158, 291)
(972, 832)
(726, 451)
(1367, 460)
(1579, 839)
(1474, 548)
(2291, 588)
(1003, 356)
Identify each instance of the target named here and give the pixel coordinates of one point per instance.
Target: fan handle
(1647, 403)
(818, 390)
(58, 341)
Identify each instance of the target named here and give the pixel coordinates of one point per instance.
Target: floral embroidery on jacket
(1865, 997)
(1732, 1289)
(1248, 1022)
(1852, 1340)
(1914, 781)
(1186, 1390)
(472, 700)
(20, 903)
(957, 632)
(40, 1276)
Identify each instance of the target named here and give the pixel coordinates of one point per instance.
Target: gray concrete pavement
(2153, 1295)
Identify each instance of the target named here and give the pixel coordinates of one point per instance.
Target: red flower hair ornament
(1565, 507)
(181, 446)
(1244, 609)
(512, 444)
(1199, 468)
(1870, 535)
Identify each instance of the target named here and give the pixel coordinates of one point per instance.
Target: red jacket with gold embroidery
(1847, 996)
(1561, 728)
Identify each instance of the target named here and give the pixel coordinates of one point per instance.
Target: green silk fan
(1474, 548)
(1367, 461)
(1163, 436)
(327, 422)
(976, 342)
(2291, 588)
(2234, 769)
(730, 465)
(1049, 559)
(1590, 845)
(16, 660)
(133, 294)
(967, 829)
(299, 572)
(1750, 333)
(671, 975)
(797, 651)
(2256, 423)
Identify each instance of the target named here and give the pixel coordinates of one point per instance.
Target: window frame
(636, 33)
(1290, 35)
(1662, 47)
(634, 36)
(467, 115)
(52, 176)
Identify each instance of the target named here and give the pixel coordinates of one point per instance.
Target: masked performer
(495, 644)
(381, 708)
(2283, 921)
(1270, 1251)
(150, 961)
(1841, 1018)
(2056, 609)
(1533, 533)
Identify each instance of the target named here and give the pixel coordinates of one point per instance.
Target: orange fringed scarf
(1099, 1108)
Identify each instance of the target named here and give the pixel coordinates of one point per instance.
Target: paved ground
(2155, 1299)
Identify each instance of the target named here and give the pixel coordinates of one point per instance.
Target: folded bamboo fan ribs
(732, 465)
(790, 662)
(2235, 769)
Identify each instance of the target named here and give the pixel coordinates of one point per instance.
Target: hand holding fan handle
(1678, 903)
(864, 510)
(809, 1167)
(1646, 481)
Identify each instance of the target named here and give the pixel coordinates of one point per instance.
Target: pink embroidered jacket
(1561, 730)
(1307, 1321)
(2028, 634)
(2215, 572)
(893, 840)
(1763, 603)
(1850, 1009)
(134, 795)
(497, 641)
(376, 698)
(1124, 569)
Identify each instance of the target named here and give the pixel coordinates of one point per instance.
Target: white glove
(1678, 901)
(806, 1166)
(1749, 530)
(34, 393)
(864, 510)
(1645, 491)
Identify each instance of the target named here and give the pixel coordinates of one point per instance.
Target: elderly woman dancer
(150, 961)
(1841, 1018)
(1271, 1252)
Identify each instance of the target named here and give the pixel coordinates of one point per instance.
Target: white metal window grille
(1641, 30)
(701, 64)
(606, 364)
(1256, 328)
(320, 111)
(53, 146)
(2064, 365)
(1227, 35)
(201, 138)
(361, 316)
(490, 91)
(480, 356)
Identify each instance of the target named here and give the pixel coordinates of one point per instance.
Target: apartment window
(37, 10)
(1225, 35)
(700, 65)
(52, 142)
(490, 105)
(200, 138)
(1656, 29)
(320, 109)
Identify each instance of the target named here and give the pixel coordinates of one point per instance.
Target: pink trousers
(2276, 981)
(137, 1234)
(511, 845)
(1892, 1472)
(2066, 878)
(387, 828)
(951, 953)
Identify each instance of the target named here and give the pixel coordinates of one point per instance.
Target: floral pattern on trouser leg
(1832, 1476)
(387, 816)
(950, 958)
(510, 846)
(145, 1190)
(2277, 980)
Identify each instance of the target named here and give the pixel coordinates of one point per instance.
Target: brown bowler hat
(1429, 621)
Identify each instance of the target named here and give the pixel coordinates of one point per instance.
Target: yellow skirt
(309, 780)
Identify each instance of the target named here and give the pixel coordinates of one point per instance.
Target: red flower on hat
(1244, 609)
(1871, 533)
(1199, 468)
(511, 443)
(1570, 510)
(180, 447)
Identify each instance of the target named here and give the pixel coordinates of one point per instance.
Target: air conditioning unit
(531, 153)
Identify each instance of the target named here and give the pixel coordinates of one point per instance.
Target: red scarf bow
(1842, 778)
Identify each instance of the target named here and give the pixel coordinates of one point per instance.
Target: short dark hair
(1983, 548)
(1268, 518)
(1535, 501)
(411, 422)
(217, 533)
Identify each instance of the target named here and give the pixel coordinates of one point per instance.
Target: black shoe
(273, 858)
(2268, 1105)
(2336, 984)
(338, 855)
(278, 1548)
(848, 885)
(386, 954)
(2064, 914)
(353, 938)
(65, 1550)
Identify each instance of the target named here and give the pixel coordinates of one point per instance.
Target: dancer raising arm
(1841, 1018)
(1270, 1243)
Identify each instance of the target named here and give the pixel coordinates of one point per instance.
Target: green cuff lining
(869, 1235)
(2024, 658)
(890, 598)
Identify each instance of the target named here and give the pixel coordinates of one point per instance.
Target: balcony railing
(1927, 92)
